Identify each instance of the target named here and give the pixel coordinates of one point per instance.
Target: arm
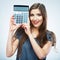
(40, 52)
(12, 42)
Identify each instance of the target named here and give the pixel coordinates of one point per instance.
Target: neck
(35, 32)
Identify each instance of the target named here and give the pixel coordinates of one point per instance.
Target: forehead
(35, 11)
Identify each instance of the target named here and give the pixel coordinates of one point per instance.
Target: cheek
(41, 22)
(31, 18)
(40, 18)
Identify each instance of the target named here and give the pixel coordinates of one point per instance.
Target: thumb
(17, 26)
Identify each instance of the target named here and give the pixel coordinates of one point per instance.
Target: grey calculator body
(21, 13)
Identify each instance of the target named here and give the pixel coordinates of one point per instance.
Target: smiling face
(36, 17)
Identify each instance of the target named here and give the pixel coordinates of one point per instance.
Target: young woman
(32, 40)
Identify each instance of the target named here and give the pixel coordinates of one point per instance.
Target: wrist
(30, 35)
(11, 32)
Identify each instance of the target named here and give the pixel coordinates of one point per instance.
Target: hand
(13, 26)
(26, 27)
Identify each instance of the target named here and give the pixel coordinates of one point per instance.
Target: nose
(35, 17)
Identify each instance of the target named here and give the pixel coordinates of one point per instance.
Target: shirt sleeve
(49, 36)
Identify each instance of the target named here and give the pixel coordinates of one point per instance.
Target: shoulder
(51, 37)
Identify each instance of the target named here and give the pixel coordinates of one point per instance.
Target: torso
(27, 52)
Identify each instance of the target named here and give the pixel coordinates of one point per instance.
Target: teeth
(35, 22)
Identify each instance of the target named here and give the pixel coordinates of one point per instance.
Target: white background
(53, 11)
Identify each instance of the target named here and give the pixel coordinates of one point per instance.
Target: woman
(32, 39)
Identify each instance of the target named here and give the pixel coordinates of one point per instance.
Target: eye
(39, 14)
(31, 14)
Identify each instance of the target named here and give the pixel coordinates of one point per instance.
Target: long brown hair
(42, 29)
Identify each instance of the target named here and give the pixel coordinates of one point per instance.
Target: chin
(36, 26)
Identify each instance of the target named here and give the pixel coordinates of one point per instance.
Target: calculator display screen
(21, 13)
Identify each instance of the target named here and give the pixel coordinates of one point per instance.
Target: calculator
(21, 13)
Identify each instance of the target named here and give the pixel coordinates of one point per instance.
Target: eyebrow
(36, 14)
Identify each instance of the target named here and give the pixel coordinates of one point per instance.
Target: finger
(12, 19)
(22, 25)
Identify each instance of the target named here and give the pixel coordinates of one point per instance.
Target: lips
(35, 22)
